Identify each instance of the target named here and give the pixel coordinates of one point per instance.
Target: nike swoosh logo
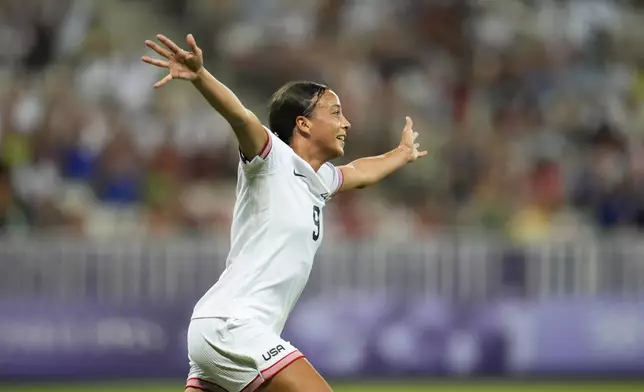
(298, 174)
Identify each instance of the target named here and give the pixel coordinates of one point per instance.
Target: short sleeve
(332, 177)
(268, 159)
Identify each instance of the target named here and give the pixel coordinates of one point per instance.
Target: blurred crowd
(532, 111)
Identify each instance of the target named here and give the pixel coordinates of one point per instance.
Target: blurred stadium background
(514, 251)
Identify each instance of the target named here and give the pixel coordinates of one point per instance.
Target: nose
(346, 125)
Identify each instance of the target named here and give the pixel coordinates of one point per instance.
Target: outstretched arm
(188, 65)
(367, 171)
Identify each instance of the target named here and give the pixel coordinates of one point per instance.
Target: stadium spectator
(531, 125)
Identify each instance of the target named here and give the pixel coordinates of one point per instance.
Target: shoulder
(278, 144)
(274, 155)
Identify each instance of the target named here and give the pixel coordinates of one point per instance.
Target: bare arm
(250, 132)
(367, 171)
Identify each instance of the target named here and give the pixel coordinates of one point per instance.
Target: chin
(338, 152)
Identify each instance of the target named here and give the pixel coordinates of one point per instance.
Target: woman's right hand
(181, 64)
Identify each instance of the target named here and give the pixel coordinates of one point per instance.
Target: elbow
(360, 178)
(356, 176)
(366, 182)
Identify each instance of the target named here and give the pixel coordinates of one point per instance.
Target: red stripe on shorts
(270, 372)
(206, 386)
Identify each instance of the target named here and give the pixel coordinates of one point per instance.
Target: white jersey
(276, 231)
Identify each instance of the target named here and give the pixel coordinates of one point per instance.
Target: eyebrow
(335, 105)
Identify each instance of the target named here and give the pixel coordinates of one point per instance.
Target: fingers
(163, 81)
(154, 46)
(169, 44)
(158, 63)
(409, 130)
(192, 44)
(409, 124)
(419, 153)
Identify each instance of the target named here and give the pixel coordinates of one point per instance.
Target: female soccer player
(284, 181)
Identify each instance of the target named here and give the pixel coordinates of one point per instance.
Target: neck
(307, 151)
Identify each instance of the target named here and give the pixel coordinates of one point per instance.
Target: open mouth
(341, 137)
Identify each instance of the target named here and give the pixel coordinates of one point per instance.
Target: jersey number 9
(316, 222)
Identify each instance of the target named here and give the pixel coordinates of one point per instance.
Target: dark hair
(292, 100)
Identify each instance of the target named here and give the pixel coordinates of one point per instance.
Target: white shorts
(233, 356)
